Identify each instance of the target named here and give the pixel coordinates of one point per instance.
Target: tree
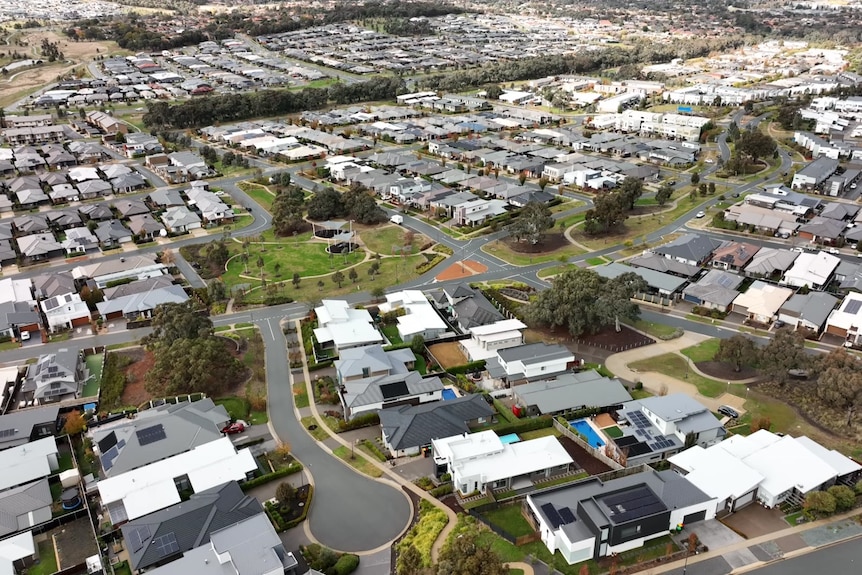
(840, 381)
(615, 299)
(353, 275)
(338, 278)
(532, 222)
(664, 193)
(373, 269)
(409, 561)
(325, 204)
(785, 351)
(844, 497)
(710, 188)
(92, 296)
(193, 365)
(285, 493)
(695, 178)
(732, 132)
(216, 290)
(320, 285)
(464, 555)
(359, 205)
(176, 321)
(702, 189)
(522, 177)
(287, 211)
(377, 292)
(75, 423)
(631, 189)
(543, 181)
(417, 344)
(608, 211)
(296, 279)
(217, 254)
(755, 144)
(819, 503)
(737, 350)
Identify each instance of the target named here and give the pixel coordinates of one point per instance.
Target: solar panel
(108, 442)
(137, 537)
(567, 516)
(121, 444)
(551, 513)
(109, 457)
(166, 544)
(7, 432)
(151, 434)
(392, 390)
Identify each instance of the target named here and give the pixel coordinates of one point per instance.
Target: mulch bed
(612, 340)
(586, 461)
(724, 371)
(295, 509)
(549, 243)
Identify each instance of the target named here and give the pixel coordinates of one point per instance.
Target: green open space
(555, 270)
(658, 330)
(501, 250)
(259, 193)
(281, 261)
(94, 381)
(357, 461)
(704, 351)
(613, 432)
(597, 261)
(510, 519)
(240, 408)
(318, 433)
(239, 221)
(47, 559)
(300, 395)
(673, 365)
(388, 240)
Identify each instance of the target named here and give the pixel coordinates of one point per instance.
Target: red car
(237, 427)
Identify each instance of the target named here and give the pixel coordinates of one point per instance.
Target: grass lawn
(122, 569)
(596, 261)
(516, 572)
(793, 518)
(47, 559)
(502, 251)
(658, 330)
(613, 432)
(358, 462)
(239, 221)
(781, 416)
(94, 366)
(308, 259)
(65, 461)
(563, 480)
(639, 393)
(391, 333)
(300, 395)
(381, 240)
(420, 364)
(269, 236)
(536, 433)
(555, 270)
(569, 221)
(9, 345)
(704, 351)
(675, 366)
(236, 407)
(259, 194)
(318, 433)
(601, 368)
(509, 519)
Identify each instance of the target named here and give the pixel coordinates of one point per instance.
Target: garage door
(694, 517)
(743, 501)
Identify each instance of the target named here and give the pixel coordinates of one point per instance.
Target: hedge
(467, 367)
(424, 267)
(278, 520)
(346, 564)
(277, 300)
(364, 420)
(294, 467)
(318, 366)
(523, 425)
(370, 446)
(394, 346)
(504, 412)
(441, 491)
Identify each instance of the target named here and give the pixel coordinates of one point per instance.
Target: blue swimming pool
(510, 438)
(449, 394)
(587, 431)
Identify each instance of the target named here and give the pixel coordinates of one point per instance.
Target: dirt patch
(603, 420)
(461, 270)
(71, 50)
(134, 392)
(610, 339)
(74, 542)
(725, 372)
(448, 354)
(583, 459)
(549, 243)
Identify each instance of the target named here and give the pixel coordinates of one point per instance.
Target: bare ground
(448, 354)
(134, 392)
(724, 371)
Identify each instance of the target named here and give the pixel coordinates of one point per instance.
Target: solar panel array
(566, 515)
(108, 442)
(551, 513)
(7, 432)
(853, 306)
(108, 458)
(633, 504)
(638, 419)
(166, 544)
(661, 443)
(138, 536)
(392, 390)
(151, 434)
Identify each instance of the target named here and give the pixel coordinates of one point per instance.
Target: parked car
(25, 335)
(728, 411)
(797, 249)
(236, 427)
(834, 251)
(700, 214)
(778, 324)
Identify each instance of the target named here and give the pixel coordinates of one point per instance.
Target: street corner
(462, 269)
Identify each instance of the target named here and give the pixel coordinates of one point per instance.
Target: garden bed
(615, 341)
(725, 371)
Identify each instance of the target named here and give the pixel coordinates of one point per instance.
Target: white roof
(152, 487)
(843, 317)
(763, 299)
(15, 548)
(26, 462)
(516, 459)
(716, 472)
(811, 269)
(785, 464)
(459, 447)
(419, 313)
(501, 326)
(15, 290)
(742, 446)
(837, 461)
(344, 326)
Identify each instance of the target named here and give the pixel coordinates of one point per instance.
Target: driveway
(714, 534)
(754, 521)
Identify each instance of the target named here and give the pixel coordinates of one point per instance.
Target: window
(366, 372)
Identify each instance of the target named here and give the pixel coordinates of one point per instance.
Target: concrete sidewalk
(656, 383)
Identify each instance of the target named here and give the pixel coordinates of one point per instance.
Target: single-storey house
(715, 290)
(570, 391)
(808, 311)
(341, 327)
(761, 301)
(814, 270)
(141, 305)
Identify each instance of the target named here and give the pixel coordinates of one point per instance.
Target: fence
(654, 299)
(476, 512)
(567, 431)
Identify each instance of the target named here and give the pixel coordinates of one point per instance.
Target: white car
(834, 251)
(700, 214)
(25, 335)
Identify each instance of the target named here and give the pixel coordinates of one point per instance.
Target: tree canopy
(464, 555)
(192, 365)
(785, 351)
(532, 222)
(288, 209)
(174, 321)
(840, 381)
(738, 350)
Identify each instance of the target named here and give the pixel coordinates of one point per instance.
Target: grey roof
(839, 211)
(409, 426)
(38, 245)
(658, 263)
(112, 231)
(770, 260)
(139, 286)
(7, 252)
(30, 223)
(691, 247)
(475, 309)
(823, 227)
(368, 391)
(184, 426)
(21, 424)
(673, 407)
(143, 302)
(16, 313)
(819, 169)
(572, 391)
(96, 211)
(721, 278)
(167, 198)
(534, 353)
(813, 307)
(178, 216)
(191, 522)
(60, 368)
(22, 500)
(353, 361)
(145, 224)
(129, 208)
(656, 280)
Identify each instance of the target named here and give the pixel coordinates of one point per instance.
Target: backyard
(510, 519)
(94, 366)
(47, 559)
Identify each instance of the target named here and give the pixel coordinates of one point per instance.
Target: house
(146, 227)
(691, 249)
(157, 433)
(808, 311)
(846, 321)
(141, 305)
(249, 547)
(481, 461)
(656, 427)
(477, 211)
(210, 206)
(39, 247)
(419, 319)
(821, 230)
(141, 144)
(138, 286)
(733, 256)
(65, 311)
(79, 241)
(485, 340)
(784, 468)
(370, 379)
(155, 486)
(96, 212)
(16, 290)
(139, 266)
(166, 198)
(409, 429)
(470, 307)
(29, 462)
(8, 255)
(53, 284)
(28, 425)
(30, 224)
(658, 282)
(17, 317)
(129, 208)
(770, 263)
(90, 189)
(813, 270)
(180, 219)
(63, 219)
(17, 549)
(188, 524)
(535, 360)
(761, 302)
(342, 327)
(105, 122)
(55, 376)
(24, 507)
(112, 234)
(570, 391)
(190, 165)
(715, 290)
(814, 174)
(595, 518)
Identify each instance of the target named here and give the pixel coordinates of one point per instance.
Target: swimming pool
(587, 431)
(510, 438)
(449, 394)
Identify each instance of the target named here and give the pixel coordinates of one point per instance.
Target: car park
(728, 411)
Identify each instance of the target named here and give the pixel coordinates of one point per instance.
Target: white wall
(677, 515)
(575, 551)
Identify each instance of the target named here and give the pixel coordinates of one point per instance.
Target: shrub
(425, 266)
(277, 300)
(294, 467)
(523, 425)
(467, 367)
(844, 497)
(346, 564)
(441, 491)
(360, 421)
(372, 447)
(819, 503)
(423, 534)
(446, 477)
